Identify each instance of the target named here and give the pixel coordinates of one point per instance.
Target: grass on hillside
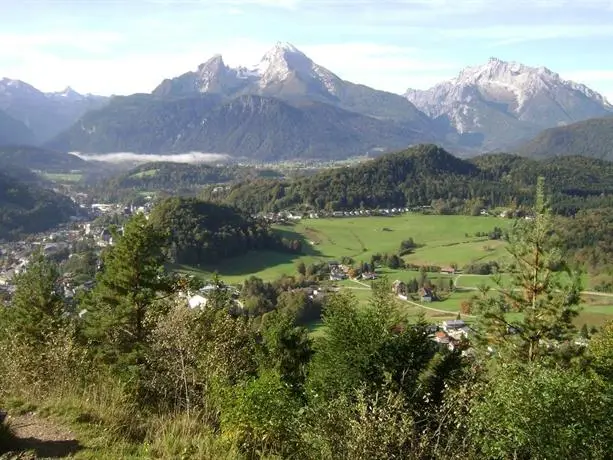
(147, 173)
(593, 310)
(63, 178)
(443, 240)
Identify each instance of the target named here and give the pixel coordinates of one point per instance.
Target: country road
(473, 288)
(467, 288)
(450, 313)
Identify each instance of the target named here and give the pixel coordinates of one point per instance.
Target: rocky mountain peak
(491, 98)
(279, 61)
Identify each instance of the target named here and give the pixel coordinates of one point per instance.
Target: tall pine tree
(37, 309)
(128, 296)
(542, 289)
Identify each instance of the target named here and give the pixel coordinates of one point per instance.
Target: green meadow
(442, 240)
(63, 178)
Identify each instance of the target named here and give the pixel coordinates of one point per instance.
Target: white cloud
(287, 4)
(84, 41)
(121, 73)
(506, 35)
(387, 67)
(124, 157)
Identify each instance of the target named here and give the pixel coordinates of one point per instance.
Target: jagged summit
(286, 46)
(280, 64)
(9, 85)
(508, 101)
(67, 93)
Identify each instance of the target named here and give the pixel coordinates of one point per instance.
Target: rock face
(44, 114)
(287, 73)
(248, 126)
(285, 107)
(505, 103)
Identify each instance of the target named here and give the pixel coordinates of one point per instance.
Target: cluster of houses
(284, 216)
(451, 333)
(339, 272)
(400, 289)
(14, 255)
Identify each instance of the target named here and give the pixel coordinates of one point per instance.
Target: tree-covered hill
(200, 232)
(174, 178)
(28, 208)
(40, 159)
(428, 175)
(590, 138)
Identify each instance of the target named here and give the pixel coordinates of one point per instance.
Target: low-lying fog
(129, 157)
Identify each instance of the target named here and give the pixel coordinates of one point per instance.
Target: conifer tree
(126, 300)
(542, 289)
(37, 308)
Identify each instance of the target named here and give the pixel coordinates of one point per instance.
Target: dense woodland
(27, 207)
(143, 376)
(171, 178)
(427, 175)
(199, 232)
(592, 138)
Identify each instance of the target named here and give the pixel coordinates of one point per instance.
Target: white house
(197, 301)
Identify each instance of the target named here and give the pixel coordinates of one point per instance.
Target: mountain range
(287, 106)
(507, 102)
(44, 115)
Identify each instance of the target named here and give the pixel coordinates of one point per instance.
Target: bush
(536, 412)
(262, 416)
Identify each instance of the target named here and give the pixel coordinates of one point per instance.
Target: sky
(127, 46)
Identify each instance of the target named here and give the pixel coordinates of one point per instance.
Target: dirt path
(38, 438)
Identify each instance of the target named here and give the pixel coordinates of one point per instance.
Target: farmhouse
(399, 287)
(426, 294)
(453, 324)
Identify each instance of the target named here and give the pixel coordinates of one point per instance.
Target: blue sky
(126, 46)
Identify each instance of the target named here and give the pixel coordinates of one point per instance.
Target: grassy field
(147, 173)
(443, 240)
(594, 310)
(63, 178)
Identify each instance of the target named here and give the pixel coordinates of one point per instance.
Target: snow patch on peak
(68, 92)
(278, 62)
(286, 46)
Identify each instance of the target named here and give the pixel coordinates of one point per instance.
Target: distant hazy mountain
(288, 106)
(590, 138)
(247, 126)
(287, 73)
(44, 114)
(13, 131)
(507, 102)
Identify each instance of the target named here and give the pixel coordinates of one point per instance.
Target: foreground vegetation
(140, 375)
